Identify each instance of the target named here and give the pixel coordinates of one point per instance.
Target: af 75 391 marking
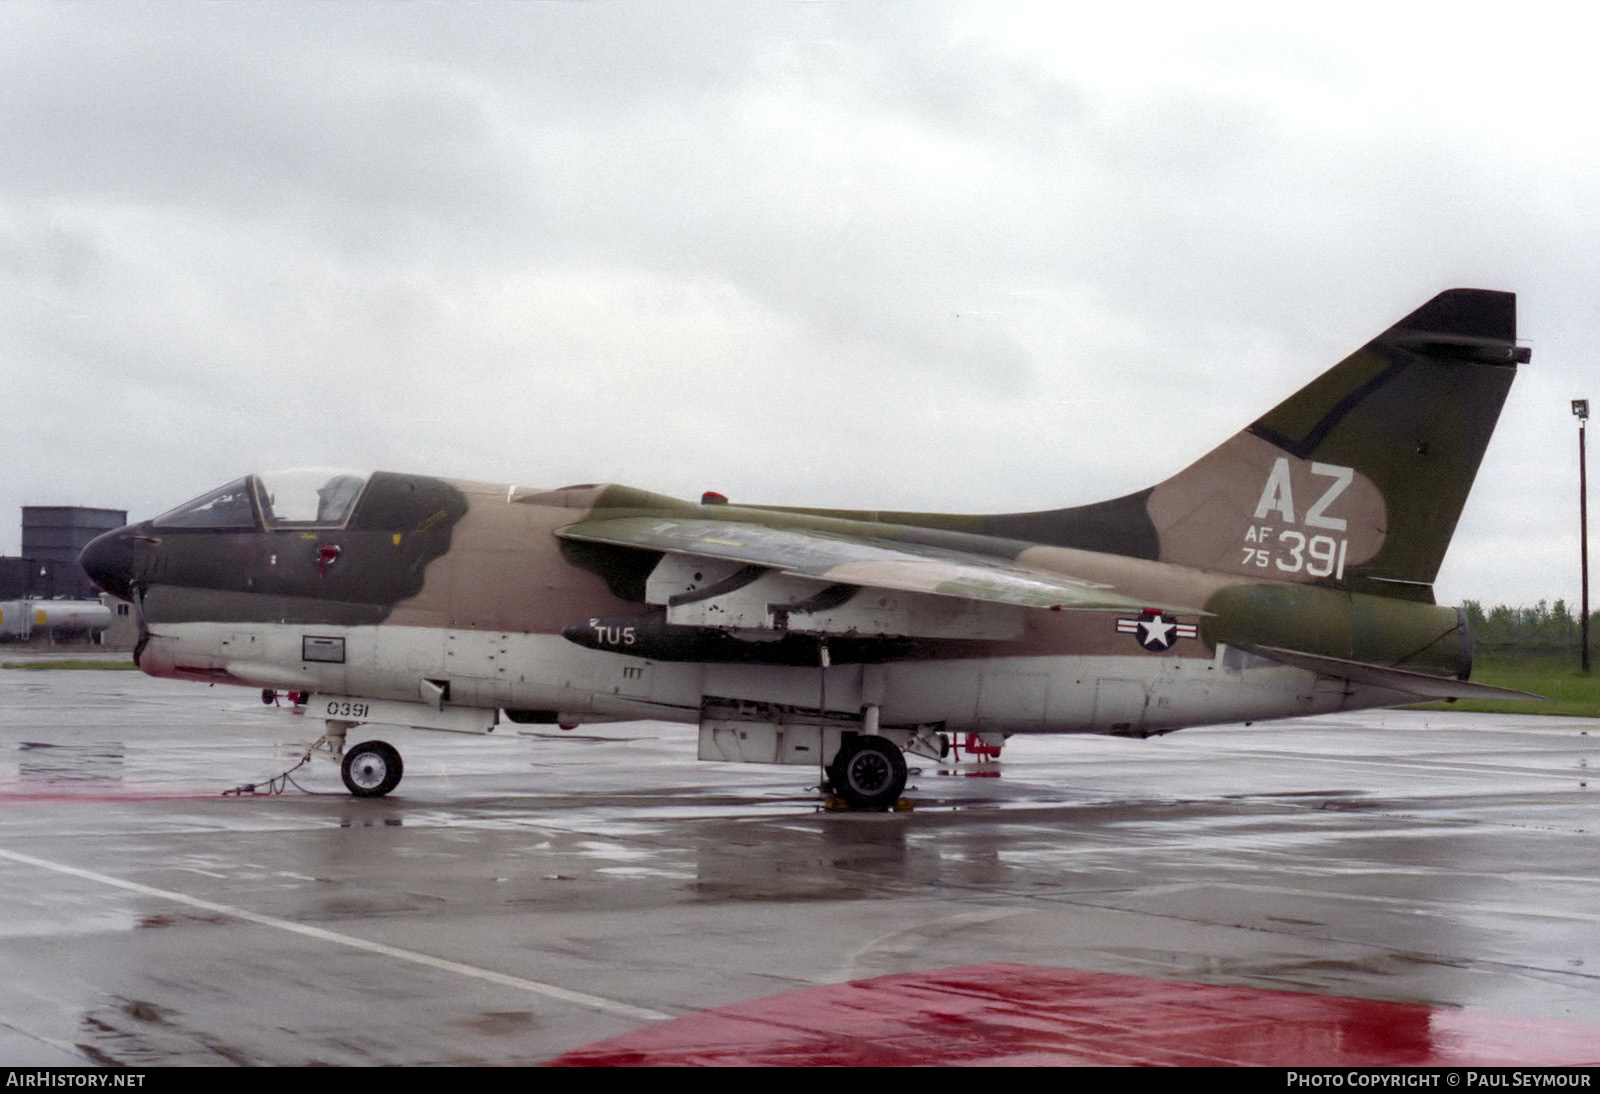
(1318, 556)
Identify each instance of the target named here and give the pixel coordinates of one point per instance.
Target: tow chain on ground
(273, 786)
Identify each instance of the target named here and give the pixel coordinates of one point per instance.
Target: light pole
(1580, 407)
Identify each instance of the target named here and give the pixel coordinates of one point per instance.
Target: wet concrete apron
(525, 895)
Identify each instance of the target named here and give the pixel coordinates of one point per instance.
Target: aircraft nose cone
(108, 560)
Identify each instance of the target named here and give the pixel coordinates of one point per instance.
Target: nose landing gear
(370, 769)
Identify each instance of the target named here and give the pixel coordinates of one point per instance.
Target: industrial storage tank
(21, 620)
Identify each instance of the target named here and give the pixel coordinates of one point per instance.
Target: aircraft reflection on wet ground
(526, 896)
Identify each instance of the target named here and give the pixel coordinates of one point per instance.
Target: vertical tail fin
(1356, 481)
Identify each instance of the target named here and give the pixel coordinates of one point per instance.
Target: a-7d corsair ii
(1288, 572)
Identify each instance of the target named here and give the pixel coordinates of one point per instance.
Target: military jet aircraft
(1288, 572)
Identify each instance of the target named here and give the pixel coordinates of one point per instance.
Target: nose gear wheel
(371, 769)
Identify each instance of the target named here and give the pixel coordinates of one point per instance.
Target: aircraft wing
(1404, 681)
(862, 561)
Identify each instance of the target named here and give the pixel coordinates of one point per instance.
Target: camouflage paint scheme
(1287, 572)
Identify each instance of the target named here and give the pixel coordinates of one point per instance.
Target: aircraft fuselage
(467, 586)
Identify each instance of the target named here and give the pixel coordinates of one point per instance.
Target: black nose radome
(108, 560)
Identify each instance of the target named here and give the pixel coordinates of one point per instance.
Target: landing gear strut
(371, 769)
(868, 773)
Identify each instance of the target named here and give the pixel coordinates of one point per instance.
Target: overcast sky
(965, 257)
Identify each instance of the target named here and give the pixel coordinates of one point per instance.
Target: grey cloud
(518, 240)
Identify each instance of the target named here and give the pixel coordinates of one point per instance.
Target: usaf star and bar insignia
(1157, 631)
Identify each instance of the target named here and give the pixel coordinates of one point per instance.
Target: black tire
(371, 769)
(868, 773)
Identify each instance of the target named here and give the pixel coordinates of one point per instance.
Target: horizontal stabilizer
(1405, 681)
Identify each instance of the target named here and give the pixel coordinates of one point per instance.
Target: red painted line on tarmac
(90, 791)
(1024, 1015)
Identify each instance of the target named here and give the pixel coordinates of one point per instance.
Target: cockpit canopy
(305, 497)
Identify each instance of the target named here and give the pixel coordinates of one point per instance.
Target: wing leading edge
(862, 562)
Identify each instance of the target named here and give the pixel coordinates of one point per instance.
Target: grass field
(1553, 675)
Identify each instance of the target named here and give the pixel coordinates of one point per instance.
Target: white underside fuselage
(433, 671)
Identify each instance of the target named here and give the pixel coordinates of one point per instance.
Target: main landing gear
(868, 773)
